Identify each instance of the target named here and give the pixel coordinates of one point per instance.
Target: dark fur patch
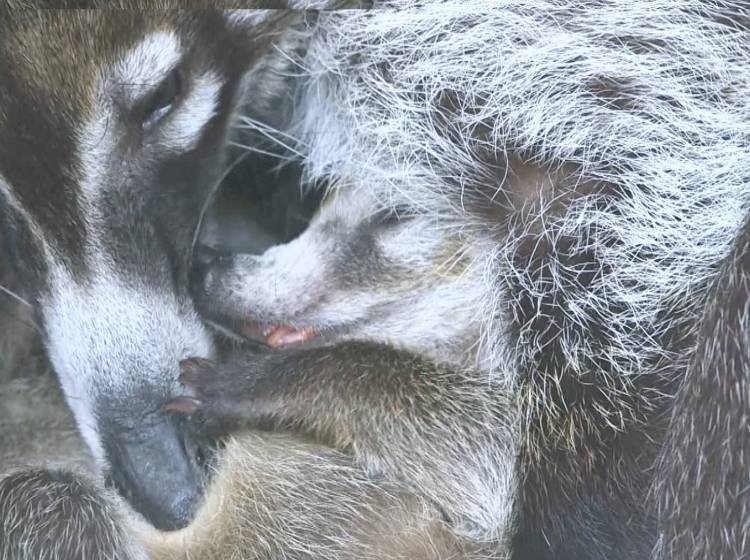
(703, 481)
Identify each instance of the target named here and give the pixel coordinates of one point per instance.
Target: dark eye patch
(161, 102)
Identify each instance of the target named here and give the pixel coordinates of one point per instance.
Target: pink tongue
(281, 335)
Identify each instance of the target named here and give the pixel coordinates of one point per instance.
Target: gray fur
(59, 515)
(702, 476)
(613, 138)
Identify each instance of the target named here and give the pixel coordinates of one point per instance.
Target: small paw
(199, 374)
(211, 390)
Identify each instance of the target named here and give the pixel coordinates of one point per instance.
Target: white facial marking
(106, 335)
(138, 72)
(182, 129)
(96, 142)
(285, 280)
(143, 67)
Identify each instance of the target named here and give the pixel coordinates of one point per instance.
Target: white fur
(533, 75)
(111, 336)
(285, 285)
(142, 68)
(182, 129)
(530, 66)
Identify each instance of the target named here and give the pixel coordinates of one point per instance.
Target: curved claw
(184, 405)
(192, 369)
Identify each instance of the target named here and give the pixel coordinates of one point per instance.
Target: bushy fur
(633, 116)
(258, 507)
(74, 519)
(426, 104)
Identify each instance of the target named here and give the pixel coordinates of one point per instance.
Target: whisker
(248, 122)
(15, 296)
(255, 150)
(15, 317)
(212, 194)
(271, 134)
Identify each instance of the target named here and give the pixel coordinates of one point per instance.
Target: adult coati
(595, 158)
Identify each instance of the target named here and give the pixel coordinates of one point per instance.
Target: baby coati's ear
(511, 188)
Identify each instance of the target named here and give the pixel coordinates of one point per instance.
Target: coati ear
(274, 41)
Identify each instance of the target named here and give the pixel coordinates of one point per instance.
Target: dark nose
(158, 468)
(205, 258)
(205, 255)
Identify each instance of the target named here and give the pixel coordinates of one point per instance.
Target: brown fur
(276, 496)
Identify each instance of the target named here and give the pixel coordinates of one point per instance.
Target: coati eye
(161, 102)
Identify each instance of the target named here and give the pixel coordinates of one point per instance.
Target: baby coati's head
(359, 271)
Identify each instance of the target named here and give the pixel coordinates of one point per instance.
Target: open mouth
(278, 335)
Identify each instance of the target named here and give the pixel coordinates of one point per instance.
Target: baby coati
(369, 324)
(368, 336)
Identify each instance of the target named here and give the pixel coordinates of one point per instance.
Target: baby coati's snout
(359, 270)
(258, 297)
(210, 272)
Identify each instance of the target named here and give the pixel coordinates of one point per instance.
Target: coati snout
(356, 272)
(114, 128)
